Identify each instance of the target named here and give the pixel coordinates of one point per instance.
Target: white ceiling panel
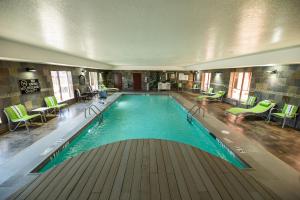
(153, 32)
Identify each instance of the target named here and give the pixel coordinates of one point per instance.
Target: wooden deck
(145, 169)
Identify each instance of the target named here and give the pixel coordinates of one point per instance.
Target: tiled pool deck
(266, 168)
(284, 143)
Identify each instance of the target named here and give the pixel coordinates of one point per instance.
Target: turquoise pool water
(140, 117)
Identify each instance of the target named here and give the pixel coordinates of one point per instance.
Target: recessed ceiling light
(225, 132)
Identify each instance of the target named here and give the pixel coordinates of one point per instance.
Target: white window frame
(62, 85)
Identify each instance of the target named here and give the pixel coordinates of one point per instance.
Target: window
(239, 85)
(93, 80)
(62, 85)
(205, 81)
(100, 78)
(183, 77)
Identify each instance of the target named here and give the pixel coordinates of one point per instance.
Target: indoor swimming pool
(144, 117)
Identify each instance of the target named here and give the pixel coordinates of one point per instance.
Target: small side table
(43, 111)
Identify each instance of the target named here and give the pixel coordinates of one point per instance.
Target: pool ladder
(193, 111)
(95, 110)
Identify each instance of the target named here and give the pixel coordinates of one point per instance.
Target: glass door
(239, 85)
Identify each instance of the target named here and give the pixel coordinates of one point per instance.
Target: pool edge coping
(62, 146)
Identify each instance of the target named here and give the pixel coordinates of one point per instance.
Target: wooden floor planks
(145, 169)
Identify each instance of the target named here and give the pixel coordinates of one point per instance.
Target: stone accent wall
(282, 87)
(220, 79)
(12, 72)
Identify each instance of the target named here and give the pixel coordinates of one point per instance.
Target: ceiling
(153, 32)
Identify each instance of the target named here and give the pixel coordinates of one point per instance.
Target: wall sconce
(83, 71)
(219, 73)
(30, 69)
(275, 71)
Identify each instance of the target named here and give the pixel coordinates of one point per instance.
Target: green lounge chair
(249, 102)
(288, 112)
(52, 103)
(260, 108)
(209, 91)
(196, 86)
(104, 88)
(18, 114)
(179, 86)
(217, 97)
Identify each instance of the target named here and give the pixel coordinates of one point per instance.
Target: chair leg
(26, 126)
(15, 128)
(284, 120)
(9, 126)
(269, 118)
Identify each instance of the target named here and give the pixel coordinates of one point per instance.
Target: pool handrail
(192, 111)
(91, 108)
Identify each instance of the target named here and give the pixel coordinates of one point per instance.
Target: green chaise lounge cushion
(261, 107)
(288, 111)
(250, 101)
(218, 95)
(18, 113)
(209, 91)
(104, 88)
(51, 102)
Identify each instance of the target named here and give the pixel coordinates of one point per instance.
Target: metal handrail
(90, 108)
(191, 112)
(195, 105)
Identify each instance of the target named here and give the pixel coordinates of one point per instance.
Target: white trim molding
(284, 56)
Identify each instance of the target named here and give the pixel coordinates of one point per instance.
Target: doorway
(118, 81)
(137, 81)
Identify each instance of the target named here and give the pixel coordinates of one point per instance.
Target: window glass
(239, 85)
(100, 78)
(71, 91)
(93, 80)
(55, 83)
(205, 84)
(62, 85)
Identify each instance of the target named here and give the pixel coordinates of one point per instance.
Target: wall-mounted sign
(29, 86)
